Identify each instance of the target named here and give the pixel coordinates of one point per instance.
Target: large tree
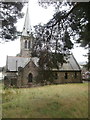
(10, 12)
(54, 39)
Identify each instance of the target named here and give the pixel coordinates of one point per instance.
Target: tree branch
(64, 16)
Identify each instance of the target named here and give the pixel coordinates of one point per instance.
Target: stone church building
(22, 70)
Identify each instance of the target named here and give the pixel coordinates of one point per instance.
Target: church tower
(26, 38)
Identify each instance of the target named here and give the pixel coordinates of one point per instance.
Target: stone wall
(10, 79)
(72, 77)
(24, 73)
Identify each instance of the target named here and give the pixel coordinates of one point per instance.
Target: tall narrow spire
(26, 38)
(27, 26)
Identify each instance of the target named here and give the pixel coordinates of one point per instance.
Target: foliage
(47, 62)
(53, 44)
(71, 23)
(10, 13)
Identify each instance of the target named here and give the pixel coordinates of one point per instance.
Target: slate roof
(14, 62)
(71, 65)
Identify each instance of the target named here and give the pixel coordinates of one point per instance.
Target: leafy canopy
(57, 36)
(10, 13)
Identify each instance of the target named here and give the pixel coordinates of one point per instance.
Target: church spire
(26, 37)
(27, 26)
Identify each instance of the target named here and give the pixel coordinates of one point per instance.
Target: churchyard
(51, 101)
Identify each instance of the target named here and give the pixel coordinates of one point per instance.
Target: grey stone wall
(71, 78)
(22, 79)
(23, 74)
(10, 79)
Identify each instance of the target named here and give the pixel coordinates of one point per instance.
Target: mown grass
(52, 101)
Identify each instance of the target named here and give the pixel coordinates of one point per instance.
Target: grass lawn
(0, 100)
(52, 101)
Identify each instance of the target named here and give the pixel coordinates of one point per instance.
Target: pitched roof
(71, 65)
(14, 62)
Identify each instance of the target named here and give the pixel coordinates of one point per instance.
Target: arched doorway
(30, 77)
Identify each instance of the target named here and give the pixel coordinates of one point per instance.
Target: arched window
(66, 75)
(30, 77)
(29, 45)
(26, 44)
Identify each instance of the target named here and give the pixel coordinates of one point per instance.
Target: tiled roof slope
(14, 62)
(71, 64)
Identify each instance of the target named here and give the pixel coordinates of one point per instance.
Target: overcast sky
(37, 15)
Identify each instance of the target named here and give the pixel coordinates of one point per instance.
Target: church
(22, 70)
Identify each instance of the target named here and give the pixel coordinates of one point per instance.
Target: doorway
(30, 77)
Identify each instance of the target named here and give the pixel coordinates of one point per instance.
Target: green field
(52, 101)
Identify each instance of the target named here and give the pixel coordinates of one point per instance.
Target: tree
(78, 20)
(54, 38)
(10, 13)
(84, 38)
